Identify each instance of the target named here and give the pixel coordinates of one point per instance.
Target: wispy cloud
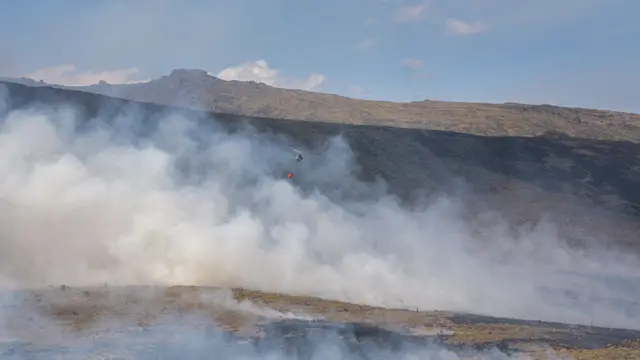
(365, 44)
(114, 32)
(459, 27)
(523, 16)
(260, 71)
(411, 64)
(69, 75)
(414, 66)
(411, 13)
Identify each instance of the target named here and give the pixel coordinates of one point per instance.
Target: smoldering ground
(131, 198)
(150, 323)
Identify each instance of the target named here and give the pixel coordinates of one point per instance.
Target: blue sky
(565, 52)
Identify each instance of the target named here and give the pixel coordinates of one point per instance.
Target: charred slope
(528, 176)
(288, 338)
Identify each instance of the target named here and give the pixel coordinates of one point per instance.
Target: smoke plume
(167, 200)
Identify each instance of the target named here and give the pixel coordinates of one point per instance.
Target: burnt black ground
(289, 338)
(295, 339)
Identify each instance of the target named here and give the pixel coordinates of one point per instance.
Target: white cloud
(260, 71)
(365, 44)
(412, 64)
(68, 75)
(411, 13)
(460, 27)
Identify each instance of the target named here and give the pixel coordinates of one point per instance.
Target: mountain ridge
(196, 89)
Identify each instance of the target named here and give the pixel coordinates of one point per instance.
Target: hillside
(586, 187)
(195, 89)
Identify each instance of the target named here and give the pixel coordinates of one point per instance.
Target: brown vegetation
(88, 310)
(195, 89)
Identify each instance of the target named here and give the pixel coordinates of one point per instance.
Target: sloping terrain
(195, 89)
(523, 177)
(583, 186)
(191, 322)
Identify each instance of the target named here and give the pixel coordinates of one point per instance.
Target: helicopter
(299, 158)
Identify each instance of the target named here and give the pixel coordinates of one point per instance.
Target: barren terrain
(195, 89)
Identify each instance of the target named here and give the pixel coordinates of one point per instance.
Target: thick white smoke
(197, 205)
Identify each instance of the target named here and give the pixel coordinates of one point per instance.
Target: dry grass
(476, 118)
(81, 310)
(254, 99)
(195, 89)
(610, 353)
(524, 334)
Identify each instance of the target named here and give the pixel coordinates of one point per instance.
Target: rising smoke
(165, 201)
